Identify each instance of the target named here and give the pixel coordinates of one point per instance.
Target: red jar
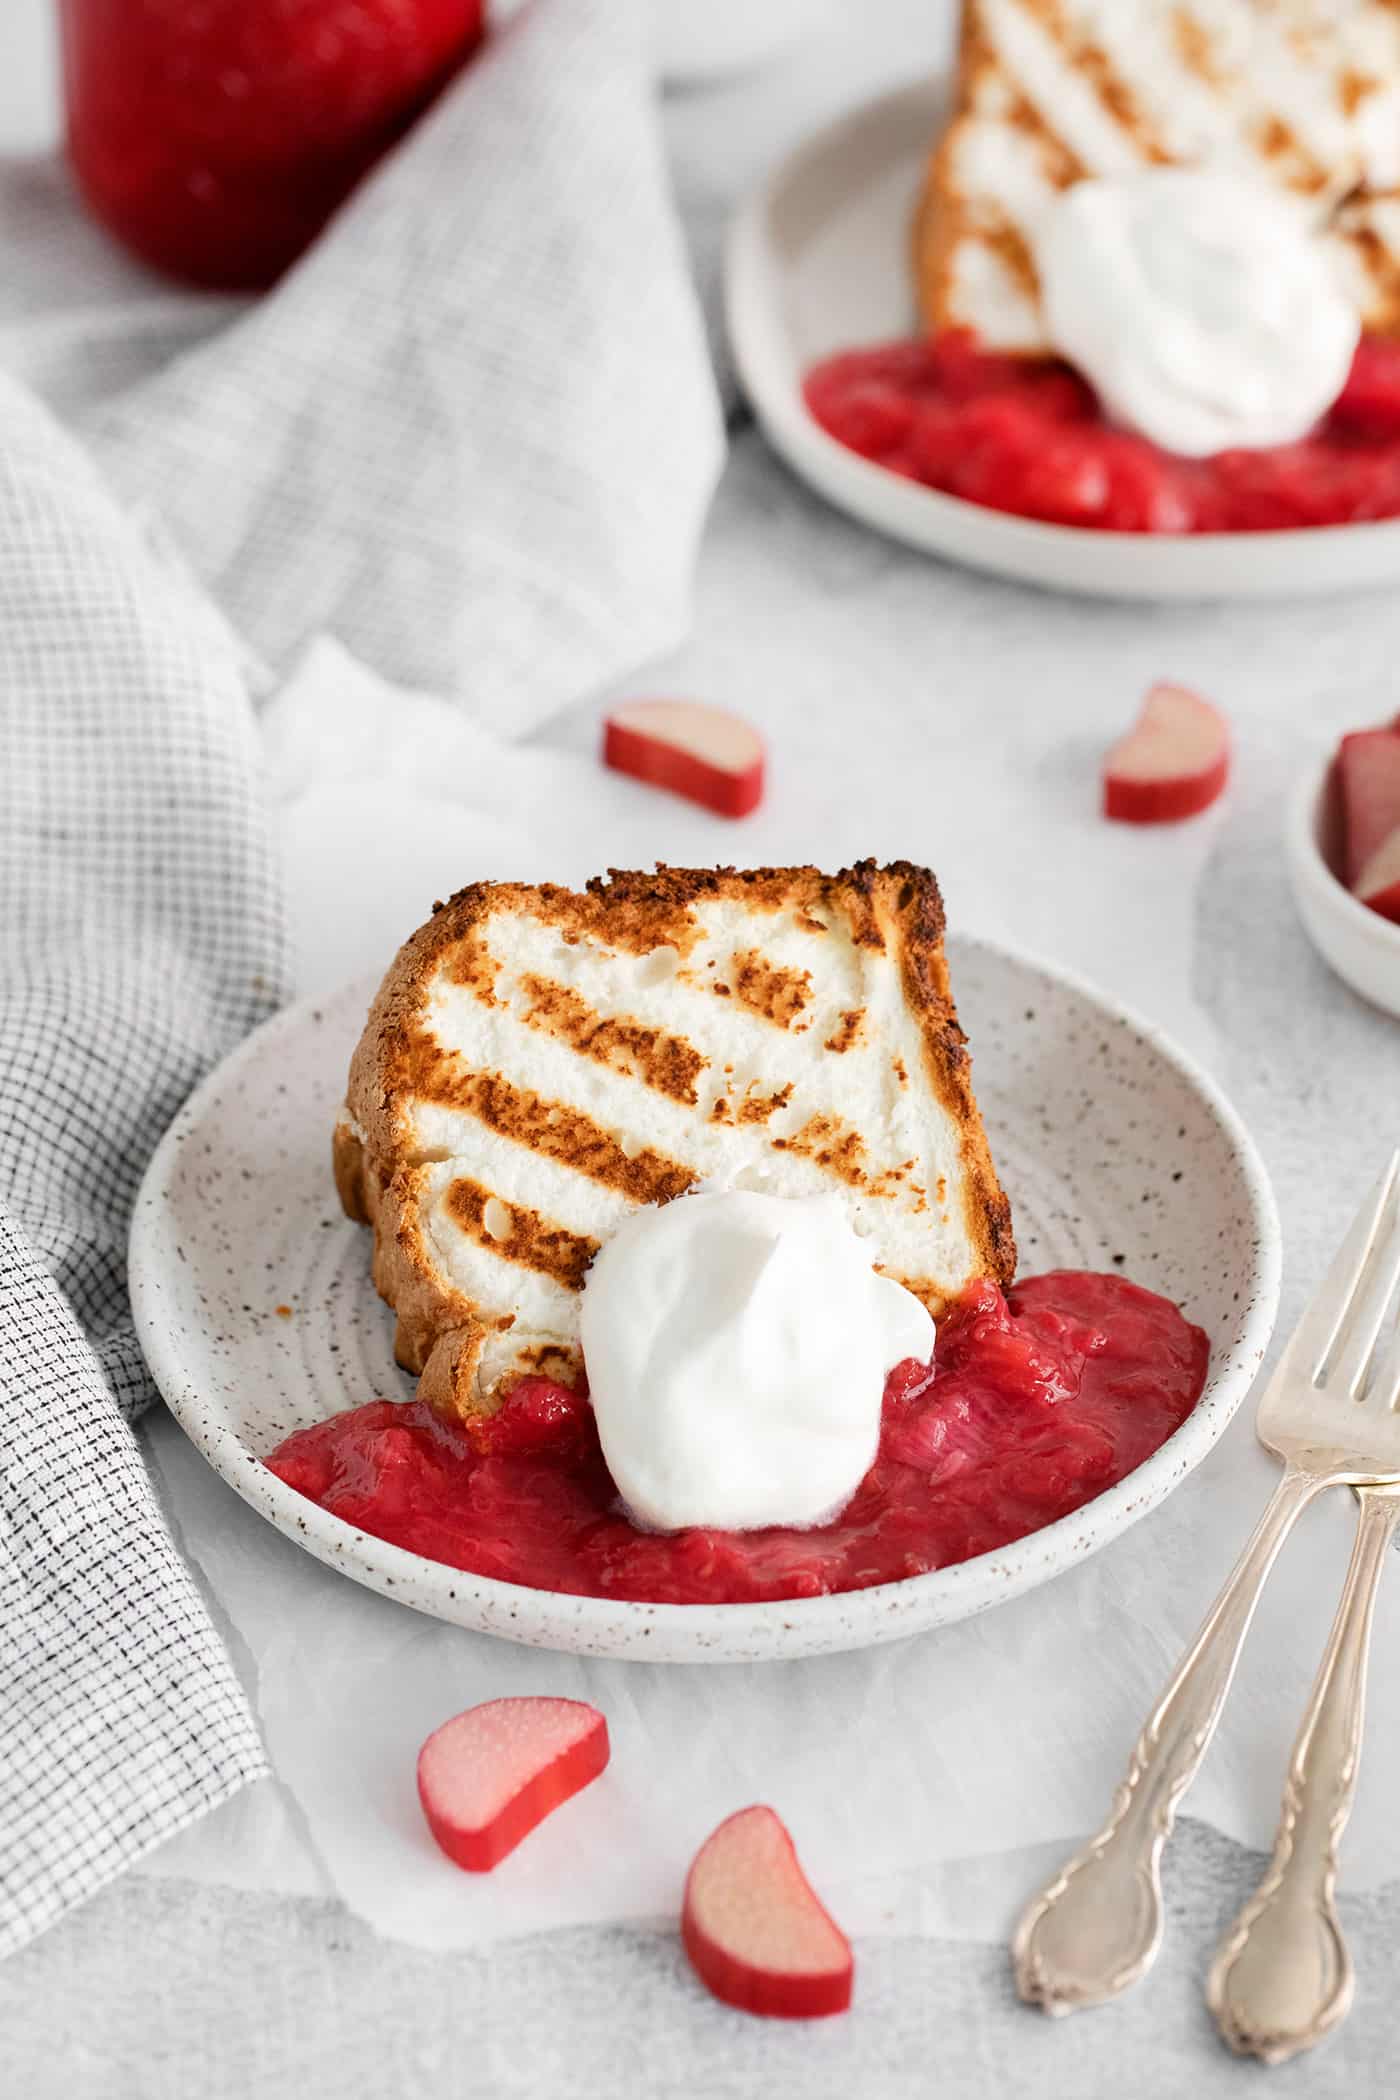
(215, 137)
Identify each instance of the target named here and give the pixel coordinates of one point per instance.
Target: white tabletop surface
(225, 1968)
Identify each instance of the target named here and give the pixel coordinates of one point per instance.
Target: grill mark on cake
(666, 1063)
(929, 1294)
(1011, 248)
(1276, 141)
(1194, 47)
(1093, 65)
(847, 1032)
(1061, 163)
(1353, 88)
(530, 1241)
(546, 1127)
(752, 1107)
(768, 989)
(554, 1360)
(866, 930)
(1122, 104)
(1381, 266)
(470, 963)
(833, 1146)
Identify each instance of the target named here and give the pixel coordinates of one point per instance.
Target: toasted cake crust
(1050, 91)
(383, 1173)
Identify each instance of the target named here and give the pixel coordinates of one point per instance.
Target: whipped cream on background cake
(1202, 307)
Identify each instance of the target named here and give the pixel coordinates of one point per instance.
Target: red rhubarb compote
(1026, 435)
(1036, 1402)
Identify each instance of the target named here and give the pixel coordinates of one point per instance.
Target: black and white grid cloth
(140, 938)
(474, 437)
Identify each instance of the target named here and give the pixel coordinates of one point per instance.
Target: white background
(914, 709)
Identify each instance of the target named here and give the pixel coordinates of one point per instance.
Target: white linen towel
(472, 437)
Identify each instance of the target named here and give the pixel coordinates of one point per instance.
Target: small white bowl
(1362, 947)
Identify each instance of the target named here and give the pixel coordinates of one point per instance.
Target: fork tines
(1347, 1361)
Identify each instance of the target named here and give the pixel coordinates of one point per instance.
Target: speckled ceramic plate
(819, 261)
(256, 1312)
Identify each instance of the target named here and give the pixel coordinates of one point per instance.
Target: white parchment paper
(915, 1776)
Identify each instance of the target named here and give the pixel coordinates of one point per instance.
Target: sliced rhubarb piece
(1378, 884)
(754, 1929)
(1173, 762)
(704, 753)
(488, 1776)
(1368, 778)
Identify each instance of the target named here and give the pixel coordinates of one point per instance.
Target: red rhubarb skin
(1386, 902)
(681, 772)
(215, 140)
(1367, 777)
(767, 1992)
(480, 1849)
(1036, 1403)
(1025, 435)
(1168, 801)
(754, 1991)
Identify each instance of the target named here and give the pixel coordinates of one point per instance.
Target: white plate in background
(819, 261)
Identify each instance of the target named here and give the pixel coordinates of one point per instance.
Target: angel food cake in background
(683, 1203)
(1301, 95)
(1156, 251)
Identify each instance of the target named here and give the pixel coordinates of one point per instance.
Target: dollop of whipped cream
(1201, 306)
(737, 1345)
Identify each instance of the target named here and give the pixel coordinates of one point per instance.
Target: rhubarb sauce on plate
(1026, 435)
(1036, 1402)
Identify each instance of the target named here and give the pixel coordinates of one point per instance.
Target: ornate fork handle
(1283, 1977)
(1095, 1929)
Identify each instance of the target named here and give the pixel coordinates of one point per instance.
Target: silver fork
(1095, 1928)
(1283, 1976)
